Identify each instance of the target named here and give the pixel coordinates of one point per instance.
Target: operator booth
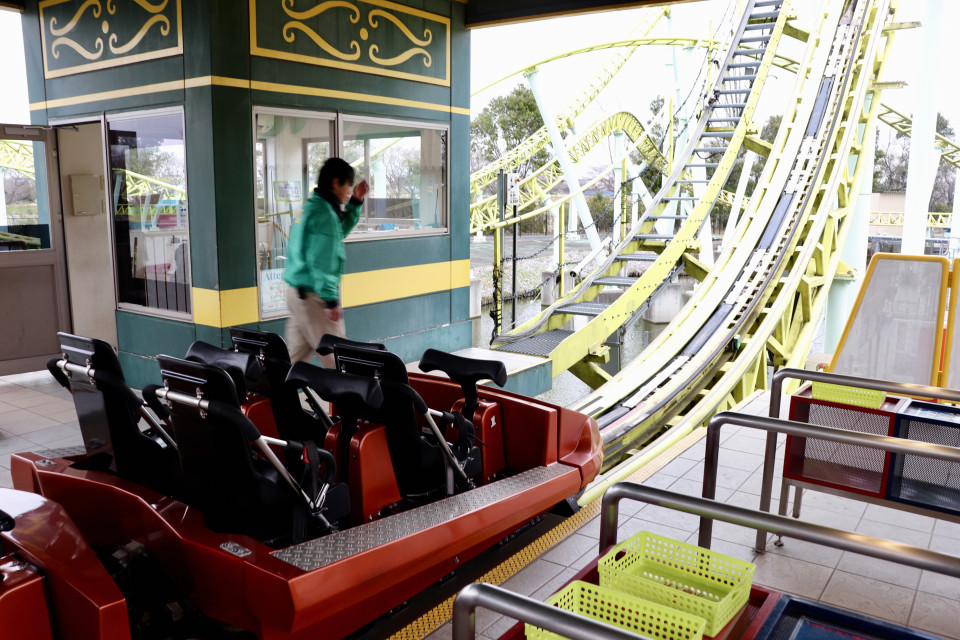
(185, 137)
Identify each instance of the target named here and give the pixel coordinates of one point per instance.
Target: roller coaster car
(280, 538)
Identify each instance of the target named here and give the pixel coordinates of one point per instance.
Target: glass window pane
(289, 152)
(23, 225)
(149, 197)
(406, 167)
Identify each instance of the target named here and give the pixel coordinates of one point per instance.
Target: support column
(571, 177)
(617, 186)
(923, 160)
(748, 159)
(843, 291)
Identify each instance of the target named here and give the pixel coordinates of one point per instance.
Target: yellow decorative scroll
(164, 30)
(76, 18)
(403, 57)
(320, 8)
(288, 35)
(152, 8)
(427, 34)
(89, 55)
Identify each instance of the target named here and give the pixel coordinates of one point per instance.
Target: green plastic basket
(698, 581)
(842, 394)
(621, 610)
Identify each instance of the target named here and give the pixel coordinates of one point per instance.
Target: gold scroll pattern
(298, 23)
(83, 24)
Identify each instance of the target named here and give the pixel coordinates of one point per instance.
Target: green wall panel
(449, 338)
(36, 90)
(387, 319)
(211, 335)
(201, 160)
(460, 304)
(371, 255)
(230, 55)
(139, 371)
(148, 335)
(233, 188)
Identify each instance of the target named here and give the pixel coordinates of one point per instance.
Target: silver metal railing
(776, 391)
(576, 627)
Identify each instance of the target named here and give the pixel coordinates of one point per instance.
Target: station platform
(36, 413)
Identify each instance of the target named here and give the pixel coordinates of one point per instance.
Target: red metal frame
(800, 404)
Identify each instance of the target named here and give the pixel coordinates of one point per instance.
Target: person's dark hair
(334, 168)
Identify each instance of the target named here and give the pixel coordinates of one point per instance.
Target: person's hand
(334, 313)
(360, 190)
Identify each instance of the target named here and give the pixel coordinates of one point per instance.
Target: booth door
(33, 292)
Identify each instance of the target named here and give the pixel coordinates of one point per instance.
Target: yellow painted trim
(941, 307)
(113, 62)
(206, 307)
(349, 95)
(202, 81)
(239, 306)
(257, 50)
(951, 320)
(380, 285)
(225, 308)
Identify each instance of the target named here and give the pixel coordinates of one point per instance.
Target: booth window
(406, 167)
(149, 203)
(24, 219)
(405, 164)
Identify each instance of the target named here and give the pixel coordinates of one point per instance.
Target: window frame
(124, 116)
(338, 118)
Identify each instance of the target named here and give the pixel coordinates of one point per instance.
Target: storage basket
(619, 609)
(930, 483)
(699, 581)
(854, 396)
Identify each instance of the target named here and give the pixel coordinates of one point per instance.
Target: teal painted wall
(219, 150)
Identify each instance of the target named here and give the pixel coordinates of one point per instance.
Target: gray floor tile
(677, 467)
(893, 532)
(554, 584)
(568, 551)
(807, 551)
(636, 525)
(6, 479)
(746, 444)
(891, 572)
(696, 451)
(947, 528)
(935, 614)
(670, 518)
(798, 577)
(727, 476)
(939, 584)
(695, 488)
(872, 597)
(829, 502)
(14, 443)
(900, 518)
(533, 576)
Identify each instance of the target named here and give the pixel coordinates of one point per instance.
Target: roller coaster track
(719, 132)
(758, 306)
(17, 156)
(518, 155)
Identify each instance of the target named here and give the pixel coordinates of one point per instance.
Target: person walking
(315, 259)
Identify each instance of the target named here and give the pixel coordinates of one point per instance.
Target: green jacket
(315, 254)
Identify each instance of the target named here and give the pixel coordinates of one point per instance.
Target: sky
(497, 51)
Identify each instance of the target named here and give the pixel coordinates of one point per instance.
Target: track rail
(790, 237)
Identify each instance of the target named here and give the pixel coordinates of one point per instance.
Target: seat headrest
(244, 368)
(191, 377)
(461, 369)
(328, 342)
(342, 389)
(364, 361)
(82, 351)
(270, 345)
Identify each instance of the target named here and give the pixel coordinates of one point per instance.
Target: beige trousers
(308, 322)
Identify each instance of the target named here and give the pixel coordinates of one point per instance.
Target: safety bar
(781, 525)
(263, 442)
(90, 372)
(451, 459)
(776, 391)
(804, 430)
(569, 625)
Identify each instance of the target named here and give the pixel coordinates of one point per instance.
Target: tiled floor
(36, 413)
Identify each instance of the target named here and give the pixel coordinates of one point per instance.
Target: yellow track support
(935, 220)
(18, 156)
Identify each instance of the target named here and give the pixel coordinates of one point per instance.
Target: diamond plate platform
(616, 281)
(62, 452)
(318, 553)
(541, 344)
(583, 308)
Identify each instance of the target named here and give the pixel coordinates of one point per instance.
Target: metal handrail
(545, 616)
(781, 525)
(776, 390)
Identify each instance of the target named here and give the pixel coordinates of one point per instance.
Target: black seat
(293, 422)
(328, 343)
(110, 414)
(231, 479)
(467, 372)
(244, 368)
(417, 463)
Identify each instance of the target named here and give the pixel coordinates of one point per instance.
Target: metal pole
(513, 308)
(498, 262)
(545, 616)
(781, 525)
(776, 390)
(561, 232)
